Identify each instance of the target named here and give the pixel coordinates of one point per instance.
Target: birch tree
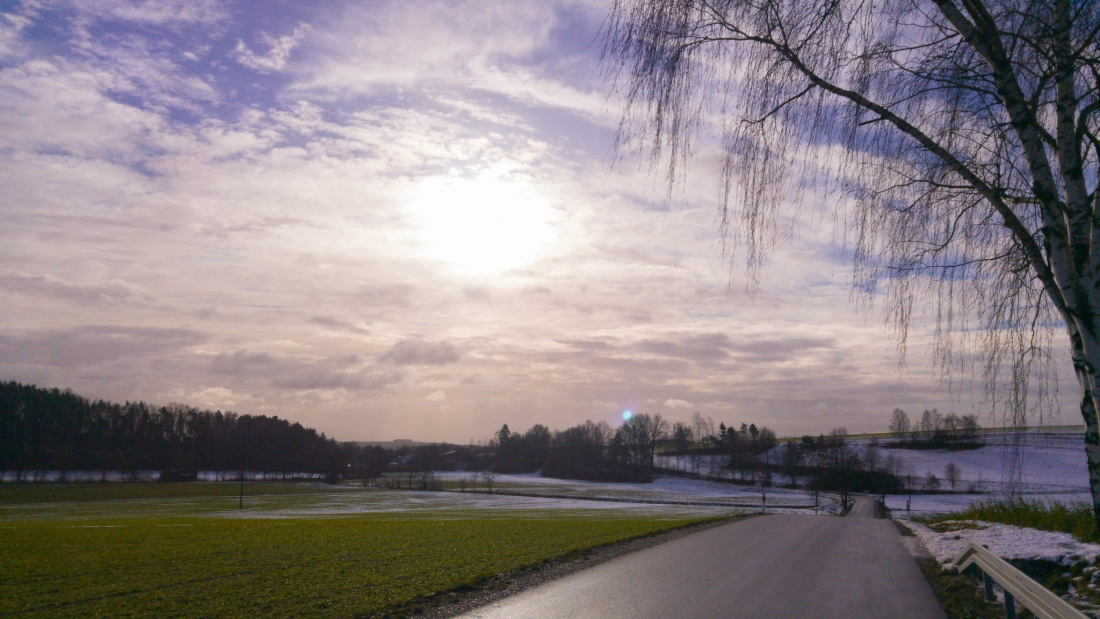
(955, 143)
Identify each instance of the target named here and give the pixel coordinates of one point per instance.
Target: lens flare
(627, 415)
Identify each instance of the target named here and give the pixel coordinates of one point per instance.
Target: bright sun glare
(482, 226)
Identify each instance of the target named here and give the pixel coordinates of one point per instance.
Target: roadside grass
(377, 565)
(959, 595)
(1075, 518)
(13, 494)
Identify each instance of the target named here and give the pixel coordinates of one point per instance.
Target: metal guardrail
(1018, 587)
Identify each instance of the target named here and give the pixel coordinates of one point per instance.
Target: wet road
(776, 566)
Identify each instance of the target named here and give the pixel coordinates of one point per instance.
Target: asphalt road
(763, 567)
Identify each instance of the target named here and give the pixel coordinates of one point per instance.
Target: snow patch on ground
(926, 504)
(1004, 540)
(1050, 462)
(672, 489)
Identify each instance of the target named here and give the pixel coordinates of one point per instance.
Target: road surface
(864, 508)
(775, 566)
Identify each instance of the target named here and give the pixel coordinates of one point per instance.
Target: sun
(481, 226)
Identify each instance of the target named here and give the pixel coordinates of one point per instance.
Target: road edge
(448, 604)
(959, 596)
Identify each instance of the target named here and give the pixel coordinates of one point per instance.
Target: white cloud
(415, 351)
(164, 240)
(158, 12)
(112, 292)
(278, 53)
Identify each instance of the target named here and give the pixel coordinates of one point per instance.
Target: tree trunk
(1086, 362)
(1092, 451)
(1086, 377)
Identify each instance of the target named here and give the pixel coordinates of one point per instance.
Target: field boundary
(740, 505)
(448, 604)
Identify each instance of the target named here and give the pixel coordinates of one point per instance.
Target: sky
(394, 220)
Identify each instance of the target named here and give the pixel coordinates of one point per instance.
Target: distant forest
(58, 430)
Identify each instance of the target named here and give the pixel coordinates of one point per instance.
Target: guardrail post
(1033, 596)
(1010, 606)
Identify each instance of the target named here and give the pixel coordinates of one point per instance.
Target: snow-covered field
(666, 490)
(1050, 461)
(349, 500)
(1051, 464)
(946, 540)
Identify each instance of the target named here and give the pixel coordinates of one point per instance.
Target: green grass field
(367, 565)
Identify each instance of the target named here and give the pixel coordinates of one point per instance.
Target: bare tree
(702, 427)
(489, 476)
(930, 423)
(872, 457)
(792, 459)
(955, 141)
(969, 427)
(842, 459)
(893, 465)
(952, 474)
(899, 423)
(931, 482)
(641, 434)
(682, 436)
(952, 423)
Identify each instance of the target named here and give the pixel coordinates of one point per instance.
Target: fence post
(1010, 606)
(909, 501)
(988, 586)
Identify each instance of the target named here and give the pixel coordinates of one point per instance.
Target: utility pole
(241, 504)
(909, 487)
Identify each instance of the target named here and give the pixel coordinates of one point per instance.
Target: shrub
(1076, 518)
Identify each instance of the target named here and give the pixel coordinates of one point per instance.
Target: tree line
(935, 430)
(58, 430)
(590, 450)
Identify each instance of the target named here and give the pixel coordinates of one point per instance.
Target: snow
(453, 504)
(927, 504)
(345, 500)
(1005, 541)
(1052, 461)
(672, 489)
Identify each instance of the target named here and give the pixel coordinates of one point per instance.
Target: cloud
(436, 396)
(89, 345)
(694, 347)
(336, 324)
(11, 28)
(276, 57)
(302, 374)
(241, 362)
(47, 285)
(157, 12)
(421, 352)
(193, 207)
